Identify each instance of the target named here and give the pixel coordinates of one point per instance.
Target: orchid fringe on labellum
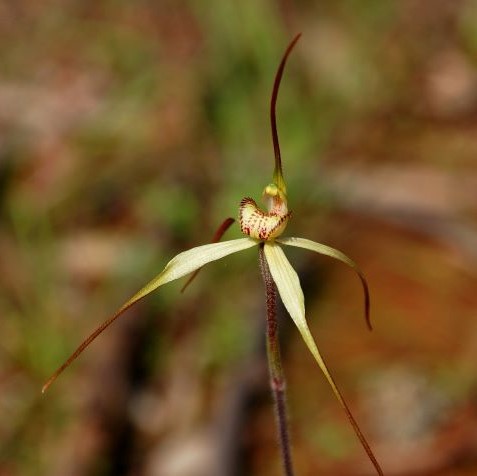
(264, 230)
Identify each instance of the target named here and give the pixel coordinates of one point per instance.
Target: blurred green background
(130, 130)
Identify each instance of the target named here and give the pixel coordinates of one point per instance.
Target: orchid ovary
(263, 228)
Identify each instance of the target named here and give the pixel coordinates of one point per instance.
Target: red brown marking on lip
(258, 224)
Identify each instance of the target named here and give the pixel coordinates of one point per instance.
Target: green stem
(277, 379)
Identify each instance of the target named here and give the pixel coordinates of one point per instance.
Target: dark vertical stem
(277, 379)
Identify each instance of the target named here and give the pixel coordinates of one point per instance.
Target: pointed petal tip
(367, 299)
(278, 172)
(182, 264)
(340, 256)
(48, 383)
(290, 292)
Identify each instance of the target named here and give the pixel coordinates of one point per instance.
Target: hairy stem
(277, 379)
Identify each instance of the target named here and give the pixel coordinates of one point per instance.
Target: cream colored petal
(190, 260)
(288, 286)
(290, 291)
(333, 253)
(184, 263)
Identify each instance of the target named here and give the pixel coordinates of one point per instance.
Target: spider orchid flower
(263, 229)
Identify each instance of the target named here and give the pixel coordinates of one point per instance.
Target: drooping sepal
(289, 288)
(179, 266)
(338, 255)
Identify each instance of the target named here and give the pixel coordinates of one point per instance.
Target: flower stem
(277, 379)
